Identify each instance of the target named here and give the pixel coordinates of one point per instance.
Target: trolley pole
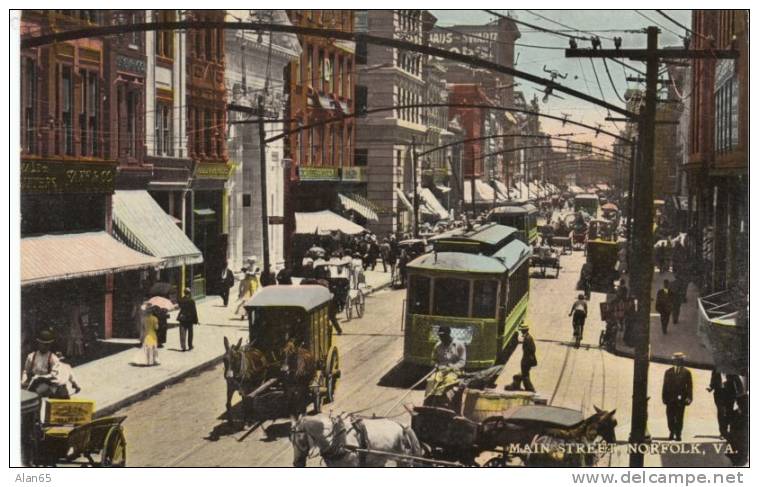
(416, 193)
(264, 191)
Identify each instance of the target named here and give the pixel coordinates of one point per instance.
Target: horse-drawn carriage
(546, 257)
(347, 285)
(290, 359)
(68, 434)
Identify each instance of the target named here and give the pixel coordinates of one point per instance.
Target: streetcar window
(519, 283)
(485, 299)
(419, 292)
(451, 297)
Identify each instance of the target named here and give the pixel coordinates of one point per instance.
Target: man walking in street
(529, 359)
(227, 281)
(664, 305)
(677, 393)
(188, 316)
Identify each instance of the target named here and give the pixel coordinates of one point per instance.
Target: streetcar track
(561, 375)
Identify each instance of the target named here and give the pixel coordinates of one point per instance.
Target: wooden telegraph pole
(643, 214)
(264, 192)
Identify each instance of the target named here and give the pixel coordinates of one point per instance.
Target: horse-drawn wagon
(546, 257)
(68, 434)
(290, 359)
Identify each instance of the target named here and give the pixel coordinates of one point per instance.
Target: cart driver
(41, 366)
(448, 353)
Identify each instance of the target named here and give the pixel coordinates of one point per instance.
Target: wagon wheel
(333, 375)
(348, 306)
(114, 452)
(320, 384)
(360, 304)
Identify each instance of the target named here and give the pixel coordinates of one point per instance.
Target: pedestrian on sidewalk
(227, 281)
(578, 313)
(724, 399)
(677, 293)
(284, 276)
(529, 359)
(188, 316)
(385, 254)
(163, 324)
(148, 354)
(248, 287)
(664, 305)
(677, 393)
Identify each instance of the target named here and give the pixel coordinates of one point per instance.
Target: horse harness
(338, 449)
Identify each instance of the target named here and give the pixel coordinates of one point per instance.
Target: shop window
(89, 113)
(451, 297)
(30, 106)
(163, 136)
(67, 101)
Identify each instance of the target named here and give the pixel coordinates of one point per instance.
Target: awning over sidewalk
(143, 225)
(484, 193)
(502, 190)
(723, 327)
(576, 189)
(324, 222)
(350, 203)
(431, 201)
(50, 258)
(442, 189)
(405, 201)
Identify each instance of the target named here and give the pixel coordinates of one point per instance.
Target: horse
(245, 369)
(336, 441)
(298, 373)
(560, 447)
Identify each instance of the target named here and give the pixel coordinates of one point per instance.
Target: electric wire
(661, 12)
(611, 80)
(548, 31)
(658, 24)
(566, 26)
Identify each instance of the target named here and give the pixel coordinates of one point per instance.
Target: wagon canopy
(308, 297)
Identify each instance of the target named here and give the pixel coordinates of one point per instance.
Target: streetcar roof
(521, 209)
(513, 254)
(586, 196)
(505, 260)
(488, 234)
(307, 296)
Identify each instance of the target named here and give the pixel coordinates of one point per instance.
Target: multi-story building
(72, 131)
(321, 87)
(393, 78)
(717, 168)
(254, 68)
(206, 103)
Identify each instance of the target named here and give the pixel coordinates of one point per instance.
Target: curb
(178, 377)
(143, 394)
(667, 361)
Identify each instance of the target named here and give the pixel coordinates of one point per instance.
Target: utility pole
(264, 191)
(416, 193)
(642, 273)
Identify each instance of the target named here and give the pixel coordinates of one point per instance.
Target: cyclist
(578, 313)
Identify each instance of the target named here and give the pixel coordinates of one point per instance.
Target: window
(312, 142)
(209, 44)
(246, 200)
(339, 75)
(207, 132)
(132, 101)
(333, 146)
(349, 144)
(296, 71)
(419, 295)
(339, 147)
(89, 113)
(451, 297)
(519, 284)
(67, 102)
(164, 45)
(321, 84)
(163, 136)
(485, 299)
(348, 79)
(323, 146)
(219, 45)
(310, 66)
(198, 37)
(30, 103)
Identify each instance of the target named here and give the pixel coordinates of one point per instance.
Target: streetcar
(587, 203)
(478, 291)
(523, 217)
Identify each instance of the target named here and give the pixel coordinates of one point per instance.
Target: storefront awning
(503, 191)
(723, 328)
(402, 198)
(432, 202)
(484, 193)
(442, 189)
(351, 204)
(324, 222)
(142, 224)
(50, 258)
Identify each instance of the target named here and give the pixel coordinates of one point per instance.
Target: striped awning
(49, 258)
(402, 198)
(484, 193)
(432, 202)
(141, 223)
(351, 203)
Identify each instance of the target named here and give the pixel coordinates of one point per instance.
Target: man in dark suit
(188, 316)
(664, 305)
(677, 392)
(529, 360)
(227, 281)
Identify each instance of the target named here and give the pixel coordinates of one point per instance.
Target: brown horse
(245, 369)
(298, 373)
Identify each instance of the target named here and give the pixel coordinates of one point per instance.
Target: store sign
(480, 42)
(355, 174)
(130, 65)
(311, 173)
(213, 170)
(62, 177)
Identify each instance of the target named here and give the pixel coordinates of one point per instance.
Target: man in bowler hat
(677, 393)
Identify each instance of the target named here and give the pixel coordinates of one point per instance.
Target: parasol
(610, 207)
(160, 302)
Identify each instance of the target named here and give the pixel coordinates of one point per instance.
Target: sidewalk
(113, 383)
(682, 337)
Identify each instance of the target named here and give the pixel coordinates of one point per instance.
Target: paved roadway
(183, 424)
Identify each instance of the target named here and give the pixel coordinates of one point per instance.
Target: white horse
(336, 441)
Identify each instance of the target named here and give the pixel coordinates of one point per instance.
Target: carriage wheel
(360, 304)
(348, 307)
(114, 449)
(333, 375)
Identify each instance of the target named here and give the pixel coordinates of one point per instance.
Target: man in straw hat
(529, 359)
(40, 366)
(677, 392)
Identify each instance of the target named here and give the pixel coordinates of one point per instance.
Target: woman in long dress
(149, 352)
(248, 286)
